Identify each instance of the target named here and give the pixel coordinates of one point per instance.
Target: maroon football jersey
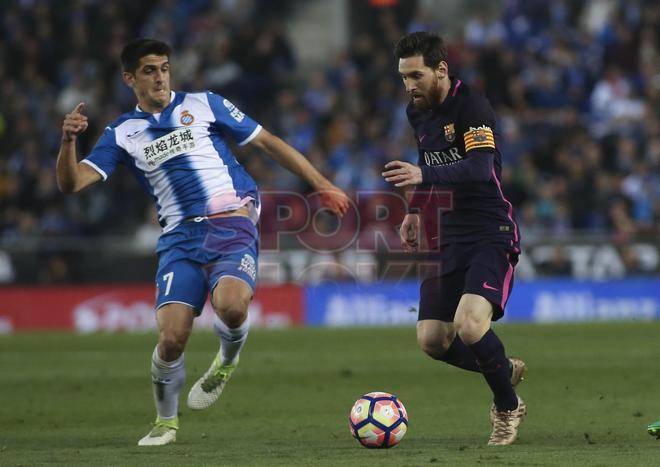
(463, 126)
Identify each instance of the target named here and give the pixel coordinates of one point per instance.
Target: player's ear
(442, 69)
(129, 78)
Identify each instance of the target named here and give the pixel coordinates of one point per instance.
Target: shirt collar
(453, 90)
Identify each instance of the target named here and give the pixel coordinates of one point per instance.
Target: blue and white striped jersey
(181, 157)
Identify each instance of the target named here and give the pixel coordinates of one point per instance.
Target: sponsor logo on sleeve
(479, 137)
(233, 111)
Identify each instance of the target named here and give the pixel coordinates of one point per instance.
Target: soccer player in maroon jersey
(469, 225)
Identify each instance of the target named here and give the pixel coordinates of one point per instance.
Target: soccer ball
(378, 420)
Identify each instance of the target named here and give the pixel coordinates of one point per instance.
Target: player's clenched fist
(74, 123)
(409, 232)
(335, 200)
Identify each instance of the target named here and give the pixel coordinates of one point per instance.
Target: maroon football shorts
(484, 269)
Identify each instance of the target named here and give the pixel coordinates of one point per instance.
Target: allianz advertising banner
(543, 301)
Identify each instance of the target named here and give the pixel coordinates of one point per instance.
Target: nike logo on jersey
(489, 287)
(421, 138)
(134, 133)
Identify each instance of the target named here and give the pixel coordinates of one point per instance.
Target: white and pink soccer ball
(378, 420)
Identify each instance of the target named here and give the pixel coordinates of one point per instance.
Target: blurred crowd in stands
(575, 84)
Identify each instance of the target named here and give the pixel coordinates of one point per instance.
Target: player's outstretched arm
(288, 157)
(73, 176)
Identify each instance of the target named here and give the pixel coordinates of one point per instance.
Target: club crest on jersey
(450, 133)
(186, 118)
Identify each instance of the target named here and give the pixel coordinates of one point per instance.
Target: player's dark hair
(138, 48)
(427, 44)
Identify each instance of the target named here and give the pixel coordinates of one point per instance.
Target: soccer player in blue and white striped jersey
(175, 144)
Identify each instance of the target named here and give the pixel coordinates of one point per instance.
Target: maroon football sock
(459, 355)
(496, 370)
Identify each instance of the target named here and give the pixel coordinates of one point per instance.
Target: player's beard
(430, 100)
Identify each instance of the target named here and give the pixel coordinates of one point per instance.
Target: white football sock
(231, 340)
(167, 379)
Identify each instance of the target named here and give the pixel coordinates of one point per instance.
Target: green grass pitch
(86, 400)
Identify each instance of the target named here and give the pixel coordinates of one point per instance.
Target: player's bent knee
(171, 345)
(433, 350)
(233, 312)
(434, 340)
(472, 318)
(471, 325)
(230, 301)
(467, 327)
